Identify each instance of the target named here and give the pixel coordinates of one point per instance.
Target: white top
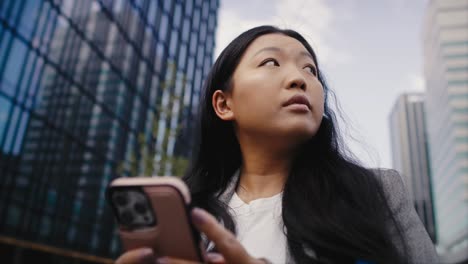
(260, 227)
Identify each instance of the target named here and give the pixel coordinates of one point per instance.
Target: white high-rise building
(445, 43)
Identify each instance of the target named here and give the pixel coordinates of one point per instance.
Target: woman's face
(275, 90)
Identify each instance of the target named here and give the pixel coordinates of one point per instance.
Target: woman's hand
(146, 256)
(231, 250)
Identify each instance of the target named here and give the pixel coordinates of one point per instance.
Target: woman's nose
(297, 82)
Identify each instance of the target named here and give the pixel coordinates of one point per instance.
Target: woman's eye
(269, 62)
(311, 69)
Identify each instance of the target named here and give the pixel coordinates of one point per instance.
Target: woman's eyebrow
(276, 49)
(306, 54)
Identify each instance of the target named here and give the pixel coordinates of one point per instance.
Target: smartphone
(155, 212)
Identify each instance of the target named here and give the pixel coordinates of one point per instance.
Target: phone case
(172, 233)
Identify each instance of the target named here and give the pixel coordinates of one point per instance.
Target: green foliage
(142, 159)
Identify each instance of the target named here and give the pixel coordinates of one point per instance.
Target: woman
(270, 167)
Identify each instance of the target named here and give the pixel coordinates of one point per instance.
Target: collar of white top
(226, 196)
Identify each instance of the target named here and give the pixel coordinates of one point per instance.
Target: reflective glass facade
(89, 91)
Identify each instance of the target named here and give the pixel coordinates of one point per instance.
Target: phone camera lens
(140, 208)
(126, 218)
(121, 199)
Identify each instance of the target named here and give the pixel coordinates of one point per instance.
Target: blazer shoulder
(419, 246)
(388, 176)
(392, 183)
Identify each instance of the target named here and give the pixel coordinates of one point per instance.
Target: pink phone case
(173, 235)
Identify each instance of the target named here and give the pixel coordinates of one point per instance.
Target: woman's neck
(263, 172)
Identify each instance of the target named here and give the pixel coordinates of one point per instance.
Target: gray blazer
(420, 248)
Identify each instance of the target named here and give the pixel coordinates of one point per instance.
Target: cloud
(312, 18)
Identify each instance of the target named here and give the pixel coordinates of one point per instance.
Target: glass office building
(410, 154)
(89, 91)
(446, 74)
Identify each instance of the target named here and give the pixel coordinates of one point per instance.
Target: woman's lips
(298, 101)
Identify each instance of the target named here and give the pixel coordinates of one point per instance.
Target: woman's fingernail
(163, 260)
(198, 216)
(146, 255)
(215, 258)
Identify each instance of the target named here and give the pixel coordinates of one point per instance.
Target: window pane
(28, 17)
(4, 110)
(188, 7)
(167, 5)
(163, 28)
(6, 37)
(177, 16)
(14, 64)
(11, 130)
(174, 43)
(196, 19)
(13, 214)
(152, 13)
(186, 30)
(182, 56)
(206, 9)
(20, 133)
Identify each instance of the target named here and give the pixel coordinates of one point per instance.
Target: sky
(369, 51)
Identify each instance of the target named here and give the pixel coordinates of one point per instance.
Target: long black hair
(331, 204)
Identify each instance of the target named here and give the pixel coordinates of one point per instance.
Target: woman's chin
(299, 134)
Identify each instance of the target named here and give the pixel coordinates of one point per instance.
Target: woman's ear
(222, 106)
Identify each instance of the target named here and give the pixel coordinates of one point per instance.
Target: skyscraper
(410, 154)
(92, 90)
(446, 73)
